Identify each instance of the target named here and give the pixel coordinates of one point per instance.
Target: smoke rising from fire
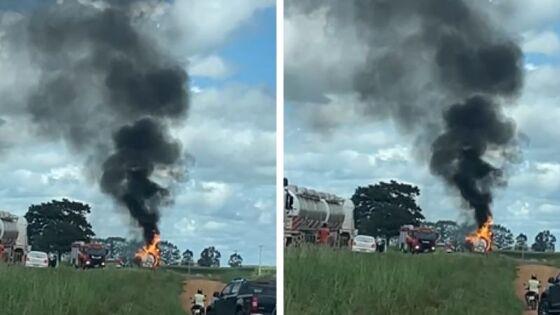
(108, 90)
(428, 60)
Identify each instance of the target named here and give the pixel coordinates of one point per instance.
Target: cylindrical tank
(8, 232)
(314, 208)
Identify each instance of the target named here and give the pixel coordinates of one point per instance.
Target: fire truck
(306, 210)
(13, 237)
(88, 255)
(417, 239)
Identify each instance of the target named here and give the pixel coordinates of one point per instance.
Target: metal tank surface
(9, 229)
(310, 209)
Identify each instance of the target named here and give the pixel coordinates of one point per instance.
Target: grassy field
(66, 291)
(225, 274)
(552, 259)
(323, 281)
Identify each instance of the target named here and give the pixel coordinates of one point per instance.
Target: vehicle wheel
(543, 309)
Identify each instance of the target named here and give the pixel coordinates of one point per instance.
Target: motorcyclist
(198, 300)
(533, 286)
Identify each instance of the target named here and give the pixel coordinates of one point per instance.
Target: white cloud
(210, 66)
(546, 42)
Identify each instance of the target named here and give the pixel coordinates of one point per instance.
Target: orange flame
(481, 239)
(149, 255)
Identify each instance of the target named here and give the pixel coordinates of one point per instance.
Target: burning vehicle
(149, 255)
(480, 241)
(88, 255)
(417, 239)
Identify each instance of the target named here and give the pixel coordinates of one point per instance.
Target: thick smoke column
(457, 154)
(433, 57)
(107, 89)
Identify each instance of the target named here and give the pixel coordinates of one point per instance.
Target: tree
(55, 225)
(544, 242)
(235, 260)
(170, 254)
(502, 237)
(381, 209)
(209, 257)
(447, 231)
(521, 242)
(187, 258)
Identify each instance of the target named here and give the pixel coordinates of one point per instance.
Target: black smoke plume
(109, 91)
(431, 57)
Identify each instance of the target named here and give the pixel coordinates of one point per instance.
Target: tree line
(383, 208)
(53, 227)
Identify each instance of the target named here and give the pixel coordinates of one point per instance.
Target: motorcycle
(531, 298)
(197, 309)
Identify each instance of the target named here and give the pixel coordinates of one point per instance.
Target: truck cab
(88, 255)
(418, 239)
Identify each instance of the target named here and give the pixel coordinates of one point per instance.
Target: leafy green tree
(55, 225)
(502, 237)
(381, 209)
(209, 257)
(544, 242)
(188, 258)
(170, 254)
(235, 260)
(521, 242)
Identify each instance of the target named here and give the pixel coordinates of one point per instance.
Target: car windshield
(429, 236)
(96, 251)
(40, 255)
(364, 239)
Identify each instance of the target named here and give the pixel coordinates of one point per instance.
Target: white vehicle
(37, 259)
(306, 210)
(364, 243)
(13, 236)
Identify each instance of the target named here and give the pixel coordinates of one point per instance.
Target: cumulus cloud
(210, 66)
(546, 43)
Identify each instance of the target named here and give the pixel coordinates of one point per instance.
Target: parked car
(244, 297)
(37, 259)
(364, 243)
(549, 303)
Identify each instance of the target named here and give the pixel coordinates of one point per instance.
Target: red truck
(88, 255)
(417, 239)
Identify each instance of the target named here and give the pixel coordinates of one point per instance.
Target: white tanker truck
(13, 236)
(306, 210)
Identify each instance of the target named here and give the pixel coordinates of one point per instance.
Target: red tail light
(254, 304)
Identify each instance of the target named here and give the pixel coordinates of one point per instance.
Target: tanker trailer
(13, 236)
(306, 210)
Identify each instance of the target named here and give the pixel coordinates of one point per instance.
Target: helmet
(199, 291)
(533, 276)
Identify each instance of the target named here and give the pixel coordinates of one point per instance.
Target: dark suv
(244, 297)
(550, 299)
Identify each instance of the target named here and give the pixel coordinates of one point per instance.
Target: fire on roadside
(481, 239)
(149, 255)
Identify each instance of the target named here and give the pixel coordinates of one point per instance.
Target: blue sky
(228, 200)
(252, 49)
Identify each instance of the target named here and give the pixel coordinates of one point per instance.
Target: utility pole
(260, 260)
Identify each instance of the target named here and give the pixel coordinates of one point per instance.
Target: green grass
(552, 259)
(325, 281)
(226, 274)
(66, 291)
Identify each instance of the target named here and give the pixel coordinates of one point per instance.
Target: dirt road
(524, 273)
(190, 286)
